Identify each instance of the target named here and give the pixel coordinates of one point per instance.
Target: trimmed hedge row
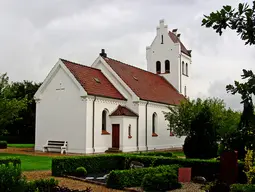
(209, 169)
(120, 179)
(156, 153)
(3, 144)
(93, 164)
(7, 160)
(242, 188)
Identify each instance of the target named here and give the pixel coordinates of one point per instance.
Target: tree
(9, 108)
(242, 20)
(180, 118)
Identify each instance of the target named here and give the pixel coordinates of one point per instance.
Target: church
(112, 105)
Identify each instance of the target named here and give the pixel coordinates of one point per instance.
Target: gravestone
(136, 164)
(184, 175)
(229, 167)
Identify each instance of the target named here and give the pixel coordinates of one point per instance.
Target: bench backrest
(59, 143)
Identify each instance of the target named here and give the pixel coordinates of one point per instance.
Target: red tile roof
(123, 111)
(88, 76)
(175, 39)
(146, 85)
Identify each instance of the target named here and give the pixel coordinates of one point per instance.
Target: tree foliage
(181, 117)
(9, 108)
(242, 20)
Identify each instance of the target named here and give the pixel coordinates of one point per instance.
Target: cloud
(35, 34)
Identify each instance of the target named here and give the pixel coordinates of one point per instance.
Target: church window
(185, 91)
(187, 69)
(154, 124)
(105, 122)
(162, 39)
(158, 67)
(129, 131)
(167, 66)
(183, 70)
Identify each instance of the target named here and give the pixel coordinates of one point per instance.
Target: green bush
(242, 188)
(160, 181)
(81, 172)
(3, 144)
(120, 179)
(157, 153)
(42, 185)
(7, 160)
(106, 163)
(93, 164)
(11, 179)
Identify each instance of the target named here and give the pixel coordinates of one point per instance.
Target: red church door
(115, 136)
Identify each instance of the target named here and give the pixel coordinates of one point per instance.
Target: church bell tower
(169, 58)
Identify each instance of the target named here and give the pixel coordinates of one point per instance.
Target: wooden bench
(62, 145)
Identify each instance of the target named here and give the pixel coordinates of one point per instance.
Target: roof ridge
(82, 65)
(132, 66)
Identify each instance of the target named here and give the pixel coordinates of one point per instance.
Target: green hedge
(42, 185)
(3, 144)
(93, 164)
(242, 188)
(119, 179)
(156, 153)
(209, 169)
(7, 160)
(160, 181)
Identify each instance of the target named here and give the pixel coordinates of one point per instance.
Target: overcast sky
(35, 34)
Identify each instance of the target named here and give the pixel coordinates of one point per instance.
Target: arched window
(154, 119)
(187, 69)
(104, 114)
(162, 39)
(183, 72)
(129, 131)
(167, 66)
(158, 67)
(185, 91)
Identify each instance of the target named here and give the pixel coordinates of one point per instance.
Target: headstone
(136, 164)
(229, 167)
(184, 175)
(89, 178)
(199, 179)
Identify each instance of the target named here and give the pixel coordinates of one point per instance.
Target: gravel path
(70, 183)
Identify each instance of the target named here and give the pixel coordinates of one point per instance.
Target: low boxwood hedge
(242, 188)
(7, 160)
(156, 153)
(93, 164)
(160, 181)
(119, 179)
(3, 144)
(209, 169)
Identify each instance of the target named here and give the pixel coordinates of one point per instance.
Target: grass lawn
(21, 145)
(179, 153)
(30, 162)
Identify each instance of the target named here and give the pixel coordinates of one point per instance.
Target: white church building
(113, 105)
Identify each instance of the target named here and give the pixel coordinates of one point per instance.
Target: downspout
(137, 133)
(93, 125)
(146, 129)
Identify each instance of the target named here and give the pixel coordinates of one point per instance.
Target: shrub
(65, 189)
(11, 179)
(120, 179)
(242, 188)
(157, 153)
(14, 161)
(3, 144)
(81, 172)
(93, 164)
(42, 185)
(160, 181)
